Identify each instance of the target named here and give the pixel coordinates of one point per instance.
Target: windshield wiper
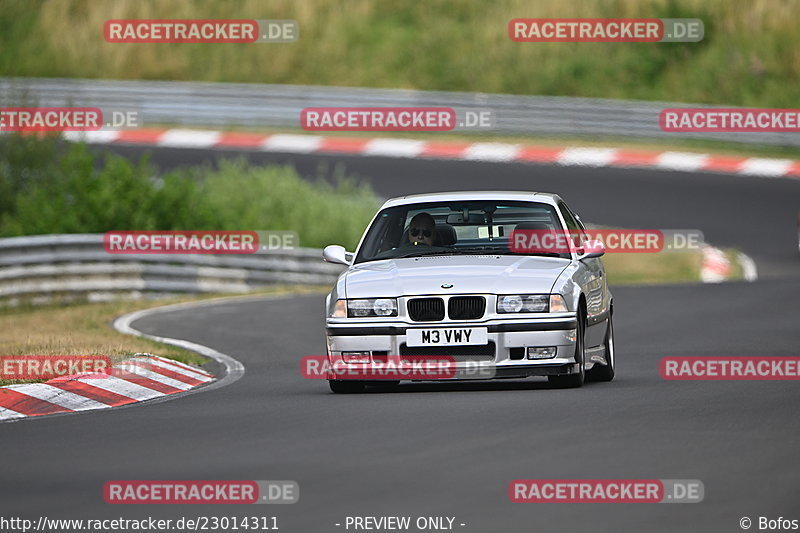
(472, 251)
(420, 254)
(455, 251)
(501, 251)
(543, 254)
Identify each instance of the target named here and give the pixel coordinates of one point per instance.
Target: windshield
(453, 228)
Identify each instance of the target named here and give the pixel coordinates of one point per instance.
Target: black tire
(346, 387)
(385, 386)
(798, 232)
(606, 372)
(573, 381)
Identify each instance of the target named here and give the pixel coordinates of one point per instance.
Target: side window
(394, 232)
(383, 235)
(575, 228)
(572, 224)
(580, 222)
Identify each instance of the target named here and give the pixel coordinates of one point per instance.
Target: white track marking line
(180, 365)
(765, 167)
(681, 161)
(292, 143)
(155, 376)
(491, 152)
(92, 137)
(172, 368)
(189, 138)
(394, 147)
(590, 157)
(234, 370)
(122, 387)
(8, 414)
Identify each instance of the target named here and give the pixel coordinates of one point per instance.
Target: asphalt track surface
(452, 449)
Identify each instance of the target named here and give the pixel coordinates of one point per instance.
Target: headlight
(385, 307)
(372, 307)
(531, 303)
(523, 303)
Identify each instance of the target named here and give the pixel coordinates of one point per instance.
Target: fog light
(355, 357)
(541, 352)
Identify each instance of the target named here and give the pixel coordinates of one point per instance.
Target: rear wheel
(572, 381)
(346, 387)
(606, 372)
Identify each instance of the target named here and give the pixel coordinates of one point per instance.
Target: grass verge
(652, 269)
(749, 55)
(661, 268)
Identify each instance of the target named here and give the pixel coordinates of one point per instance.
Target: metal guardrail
(41, 268)
(196, 104)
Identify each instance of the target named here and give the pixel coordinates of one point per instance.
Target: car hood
(498, 274)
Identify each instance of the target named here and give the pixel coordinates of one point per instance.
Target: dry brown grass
(641, 268)
(664, 267)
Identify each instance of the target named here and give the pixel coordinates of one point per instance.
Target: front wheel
(606, 372)
(572, 381)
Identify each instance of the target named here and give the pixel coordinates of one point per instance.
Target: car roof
(528, 196)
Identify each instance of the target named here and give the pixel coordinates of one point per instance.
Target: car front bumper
(504, 357)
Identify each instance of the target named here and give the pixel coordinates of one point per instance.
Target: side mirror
(591, 249)
(337, 254)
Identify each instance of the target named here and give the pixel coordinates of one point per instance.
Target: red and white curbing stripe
(481, 151)
(717, 267)
(142, 377)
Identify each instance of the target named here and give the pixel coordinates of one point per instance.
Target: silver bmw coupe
(476, 279)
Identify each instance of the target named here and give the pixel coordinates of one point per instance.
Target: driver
(422, 229)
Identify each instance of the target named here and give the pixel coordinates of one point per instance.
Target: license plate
(446, 337)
